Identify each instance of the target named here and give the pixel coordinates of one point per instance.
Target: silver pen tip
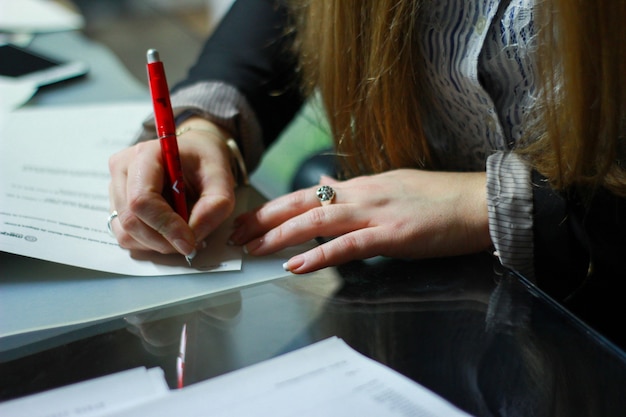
(152, 56)
(190, 257)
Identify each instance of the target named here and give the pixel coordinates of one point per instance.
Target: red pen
(166, 132)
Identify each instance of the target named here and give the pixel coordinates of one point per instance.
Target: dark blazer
(251, 50)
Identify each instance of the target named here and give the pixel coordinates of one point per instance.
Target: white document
(45, 300)
(325, 379)
(93, 398)
(14, 94)
(328, 379)
(54, 182)
(36, 16)
(54, 205)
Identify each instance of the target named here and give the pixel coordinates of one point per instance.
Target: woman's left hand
(404, 213)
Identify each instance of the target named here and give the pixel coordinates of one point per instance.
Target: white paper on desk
(93, 398)
(36, 16)
(54, 182)
(14, 94)
(325, 379)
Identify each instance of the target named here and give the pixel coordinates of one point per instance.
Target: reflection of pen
(180, 360)
(166, 131)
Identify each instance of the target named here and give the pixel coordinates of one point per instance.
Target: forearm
(251, 51)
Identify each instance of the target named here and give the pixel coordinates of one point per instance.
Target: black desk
(480, 337)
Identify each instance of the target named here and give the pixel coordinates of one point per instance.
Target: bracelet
(237, 163)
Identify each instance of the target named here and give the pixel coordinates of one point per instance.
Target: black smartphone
(25, 64)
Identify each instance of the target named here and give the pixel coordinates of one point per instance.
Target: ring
(109, 220)
(325, 194)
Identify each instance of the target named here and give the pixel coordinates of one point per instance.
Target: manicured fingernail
(184, 248)
(253, 245)
(235, 237)
(293, 264)
(190, 257)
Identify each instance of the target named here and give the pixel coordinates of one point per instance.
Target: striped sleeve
(223, 105)
(510, 205)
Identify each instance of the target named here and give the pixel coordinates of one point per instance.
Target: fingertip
(294, 264)
(184, 248)
(209, 213)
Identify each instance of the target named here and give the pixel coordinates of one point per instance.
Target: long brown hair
(578, 139)
(360, 55)
(363, 58)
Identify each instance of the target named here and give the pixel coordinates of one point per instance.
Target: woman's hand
(403, 214)
(145, 219)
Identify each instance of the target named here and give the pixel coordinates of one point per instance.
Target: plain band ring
(109, 220)
(325, 194)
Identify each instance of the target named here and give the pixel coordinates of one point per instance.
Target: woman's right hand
(145, 220)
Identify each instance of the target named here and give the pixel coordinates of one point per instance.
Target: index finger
(146, 202)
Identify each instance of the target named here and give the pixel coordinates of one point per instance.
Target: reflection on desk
(482, 338)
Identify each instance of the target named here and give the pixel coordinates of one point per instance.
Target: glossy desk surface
(480, 337)
(483, 338)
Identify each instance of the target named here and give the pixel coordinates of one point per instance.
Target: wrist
(203, 126)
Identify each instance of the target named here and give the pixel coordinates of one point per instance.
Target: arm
(233, 85)
(244, 79)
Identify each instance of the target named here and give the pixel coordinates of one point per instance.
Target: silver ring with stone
(325, 194)
(112, 216)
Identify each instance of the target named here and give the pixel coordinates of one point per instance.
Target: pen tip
(152, 55)
(190, 257)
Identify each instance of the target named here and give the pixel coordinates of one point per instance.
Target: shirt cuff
(510, 205)
(225, 106)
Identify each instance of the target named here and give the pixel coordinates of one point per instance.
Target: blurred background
(176, 28)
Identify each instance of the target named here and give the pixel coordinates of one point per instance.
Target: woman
(462, 126)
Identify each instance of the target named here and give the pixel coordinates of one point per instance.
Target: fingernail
(184, 248)
(253, 245)
(190, 257)
(293, 264)
(235, 237)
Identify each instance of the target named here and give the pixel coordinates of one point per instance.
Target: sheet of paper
(54, 190)
(93, 398)
(325, 379)
(53, 208)
(14, 94)
(36, 16)
(47, 300)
